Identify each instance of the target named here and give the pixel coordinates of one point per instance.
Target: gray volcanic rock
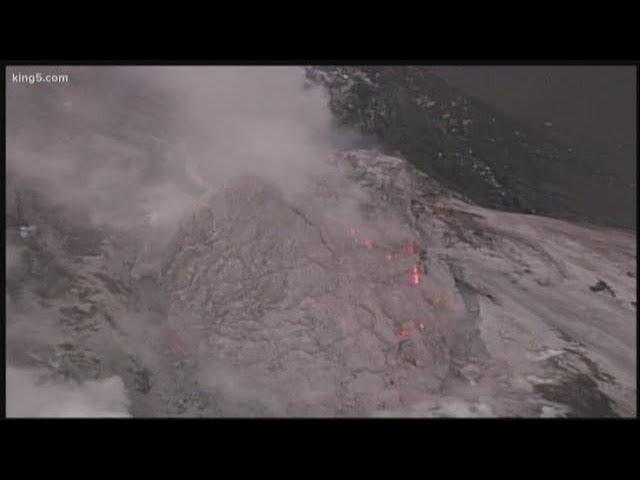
(272, 289)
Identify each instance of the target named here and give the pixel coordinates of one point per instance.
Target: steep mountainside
(375, 292)
(476, 150)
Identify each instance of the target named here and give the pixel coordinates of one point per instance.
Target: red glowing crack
(413, 249)
(406, 333)
(415, 275)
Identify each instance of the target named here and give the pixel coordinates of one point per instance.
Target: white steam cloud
(134, 144)
(30, 394)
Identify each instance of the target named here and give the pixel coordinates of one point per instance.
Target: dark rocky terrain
(476, 150)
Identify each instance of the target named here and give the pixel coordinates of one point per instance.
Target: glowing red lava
(413, 249)
(366, 242)
(405, 333)
(415, 275)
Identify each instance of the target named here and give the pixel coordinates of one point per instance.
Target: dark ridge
(476, 150)
(581, 394)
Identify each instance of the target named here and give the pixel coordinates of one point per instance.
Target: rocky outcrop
(269, 288)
